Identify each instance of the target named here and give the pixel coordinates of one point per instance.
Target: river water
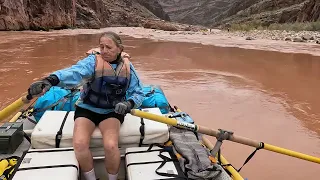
(262, 95)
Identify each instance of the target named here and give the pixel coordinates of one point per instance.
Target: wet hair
(114, 37)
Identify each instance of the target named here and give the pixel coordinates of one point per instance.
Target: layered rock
(184, 11)
(58, 14)
(36, 14)
(278, 11)
(216, 12)
(155, 8)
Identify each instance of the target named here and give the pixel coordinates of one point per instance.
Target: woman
(112, 88)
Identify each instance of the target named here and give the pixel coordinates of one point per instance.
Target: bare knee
(110, 146)
(80, 145)
(82, 132)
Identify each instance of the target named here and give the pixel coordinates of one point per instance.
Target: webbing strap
(26, 136)
(251, 155)
(142, 132)
(145, 151)
(165, 160)
(59, 133)
(31, 120)
(219, 162)
(46, 167)
(50, 150)
(148, 150)
(137, 152)
(63, 103)
(64, 99)
(138, 163)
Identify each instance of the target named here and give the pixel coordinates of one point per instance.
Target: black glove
(39, 87)
(123, 107)
(43, 85)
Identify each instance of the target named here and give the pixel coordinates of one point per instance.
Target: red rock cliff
(58, 14)
(36, 14)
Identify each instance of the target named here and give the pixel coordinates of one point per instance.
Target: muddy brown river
(262, 95)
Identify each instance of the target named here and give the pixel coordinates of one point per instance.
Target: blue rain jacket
(83, 71)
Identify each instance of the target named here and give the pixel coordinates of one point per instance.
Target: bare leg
(83, 129)
(110, 132)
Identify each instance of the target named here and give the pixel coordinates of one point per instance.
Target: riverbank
(261, 40)
(278, 35)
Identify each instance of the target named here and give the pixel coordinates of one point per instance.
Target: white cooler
(48, 164)
(45, 134)
(142, 164)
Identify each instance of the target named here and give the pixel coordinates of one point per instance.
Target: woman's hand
(123, 107)
(39, 87)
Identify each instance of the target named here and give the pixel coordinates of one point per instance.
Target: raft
(36, 157)
(50, 150)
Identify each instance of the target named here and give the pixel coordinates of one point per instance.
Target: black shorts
(96, 118)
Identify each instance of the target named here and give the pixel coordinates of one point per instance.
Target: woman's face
(108, 49)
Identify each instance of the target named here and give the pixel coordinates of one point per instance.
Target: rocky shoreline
(277, 35)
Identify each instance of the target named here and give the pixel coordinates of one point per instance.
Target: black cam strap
(165, 159)
(173, 159)
(50, 150)
(145, 151)
(59, 133)
(251, 155)
(46, 167)
(142, 132)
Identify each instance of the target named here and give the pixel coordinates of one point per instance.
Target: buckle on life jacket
(116, 88)
(118, 91)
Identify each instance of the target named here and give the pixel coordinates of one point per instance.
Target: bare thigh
(110, 129)
(83, 129)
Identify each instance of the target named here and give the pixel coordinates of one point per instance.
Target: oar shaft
(234, 138)
(291, 153)
(16, 117)
(238, 139)
(193, 127)
(155, 117)
(211, 132)
(252, 143)
(7, 111)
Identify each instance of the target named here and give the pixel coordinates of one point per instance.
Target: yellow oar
(15, 106)
(234, 138)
